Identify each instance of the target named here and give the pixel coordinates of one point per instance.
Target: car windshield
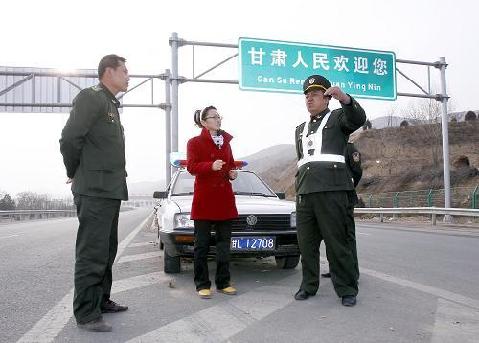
(247, 183)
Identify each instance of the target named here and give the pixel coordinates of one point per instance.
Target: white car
(266, 225)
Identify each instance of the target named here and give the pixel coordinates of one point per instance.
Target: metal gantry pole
(445, 137)
(174, 91)
(167, 127)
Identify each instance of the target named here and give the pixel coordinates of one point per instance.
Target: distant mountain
(460, 115)
(388, 121)
(269, 157)
(395, 121)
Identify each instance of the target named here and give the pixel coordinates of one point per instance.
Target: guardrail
(36, 214)
(432, 211)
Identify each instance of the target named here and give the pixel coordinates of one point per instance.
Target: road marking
(50, 325)
(5, 237)
(455, 323)
(364, 234)
(138, 257)
(438, 292)
(220, 322)
(142, 244)
(139, 281)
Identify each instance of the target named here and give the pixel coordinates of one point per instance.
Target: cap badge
(311, 81)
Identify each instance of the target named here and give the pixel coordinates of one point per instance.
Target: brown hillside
(399, 159)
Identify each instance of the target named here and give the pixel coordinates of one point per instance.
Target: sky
(74, 35)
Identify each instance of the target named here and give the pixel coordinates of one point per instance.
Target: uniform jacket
(93, 145)
(329, 176)
(213, 197)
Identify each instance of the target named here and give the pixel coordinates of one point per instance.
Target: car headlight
(293, 219)
(183, 221)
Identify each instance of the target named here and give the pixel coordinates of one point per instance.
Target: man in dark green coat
(353, 164)
(323, 186)
(93, 148)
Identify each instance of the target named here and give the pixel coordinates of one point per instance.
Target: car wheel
(287, 262)
(172, 263)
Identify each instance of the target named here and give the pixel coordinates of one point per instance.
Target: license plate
(253, 243)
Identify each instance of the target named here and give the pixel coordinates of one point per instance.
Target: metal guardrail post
(429, 203)
(370, 200)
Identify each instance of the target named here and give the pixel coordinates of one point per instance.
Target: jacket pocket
(337, 174)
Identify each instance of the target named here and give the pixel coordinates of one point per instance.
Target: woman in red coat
(211, 161)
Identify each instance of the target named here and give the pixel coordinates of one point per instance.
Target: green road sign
(276, 66)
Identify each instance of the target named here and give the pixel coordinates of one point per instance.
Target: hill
(394, 159)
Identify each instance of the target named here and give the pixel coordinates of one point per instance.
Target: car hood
(246, 204)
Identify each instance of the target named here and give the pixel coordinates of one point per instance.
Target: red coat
(213, 197)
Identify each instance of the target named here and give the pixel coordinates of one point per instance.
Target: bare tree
(390, 116)
(427, 113)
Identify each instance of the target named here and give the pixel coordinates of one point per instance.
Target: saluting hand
(338, 94)
(217, 165)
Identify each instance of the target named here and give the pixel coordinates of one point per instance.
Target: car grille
(263, 222)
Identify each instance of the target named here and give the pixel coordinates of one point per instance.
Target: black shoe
(96, 325)
(327, 275)
(349, 300)
(302, 295)
(109, 306)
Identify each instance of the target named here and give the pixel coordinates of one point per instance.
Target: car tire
(287, 262)
(172, 264)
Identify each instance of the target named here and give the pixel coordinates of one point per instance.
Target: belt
(321, 158)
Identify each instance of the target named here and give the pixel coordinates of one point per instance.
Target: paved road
(418, 284)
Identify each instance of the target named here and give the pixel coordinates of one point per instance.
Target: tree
(404, 123)
(453, 120)
(7, 203)
(367, 125)
(32, 201)
(470, 115)
(427, 114)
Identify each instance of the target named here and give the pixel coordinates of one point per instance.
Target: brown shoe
(228, 290)
(109, 306)
(96, 325)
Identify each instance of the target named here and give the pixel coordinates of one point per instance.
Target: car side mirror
(281, 195)
(160, 195)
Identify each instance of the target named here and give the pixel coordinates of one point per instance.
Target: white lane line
(138, 257)
(438, 292)
(50, 325)
(132, 245)
(139, 281)
(364, 234)
(220, 322)
(10, 236)
(455, 323)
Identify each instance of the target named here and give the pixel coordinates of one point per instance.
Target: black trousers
(327, 216)
(202, 243)
(96, 247)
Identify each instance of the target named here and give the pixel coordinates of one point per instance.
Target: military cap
(316, 82)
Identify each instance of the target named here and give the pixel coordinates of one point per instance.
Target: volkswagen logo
(251, 220)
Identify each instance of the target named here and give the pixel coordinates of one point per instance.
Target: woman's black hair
(200, 115)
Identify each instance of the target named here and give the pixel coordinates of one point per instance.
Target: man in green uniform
(323, 186)
(353, 164)
(93, 148)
